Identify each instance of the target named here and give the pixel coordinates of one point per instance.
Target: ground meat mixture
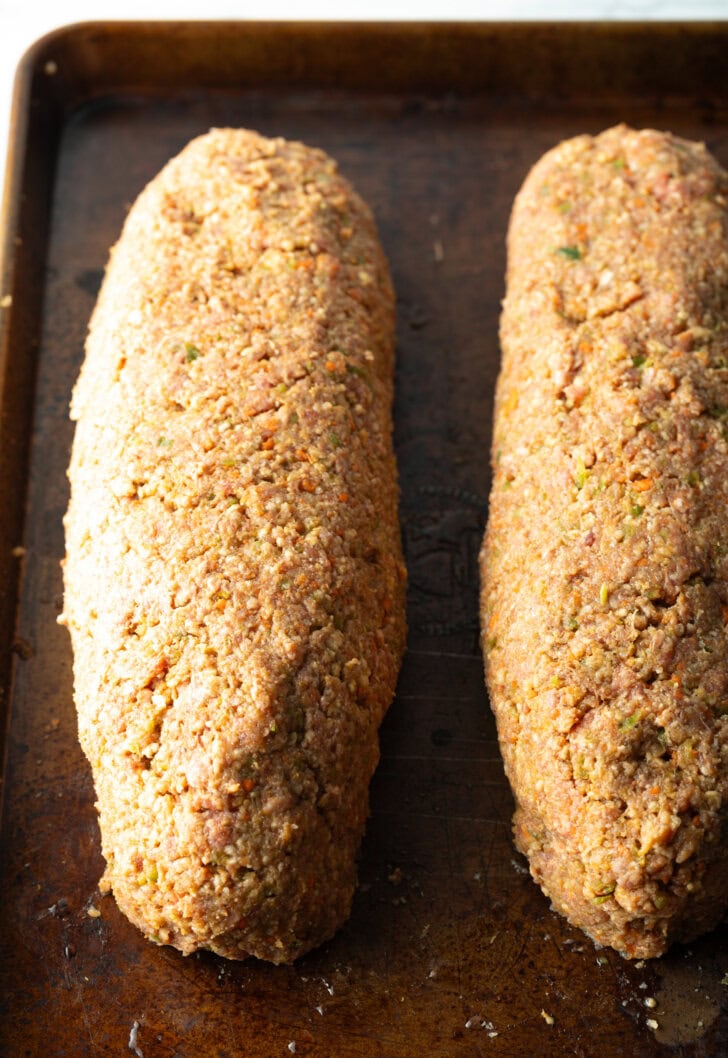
(234, 579)
(605, 562)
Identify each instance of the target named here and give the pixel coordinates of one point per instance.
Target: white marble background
(24, 21)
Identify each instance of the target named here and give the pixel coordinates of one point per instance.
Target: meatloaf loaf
(234, 585)
(605, 561)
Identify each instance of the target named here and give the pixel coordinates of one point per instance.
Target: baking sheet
(451, 951)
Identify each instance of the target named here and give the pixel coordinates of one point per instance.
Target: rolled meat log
(234, 584)
(605, 562)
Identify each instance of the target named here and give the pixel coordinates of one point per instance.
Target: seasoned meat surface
(605, 562)
(234, 579)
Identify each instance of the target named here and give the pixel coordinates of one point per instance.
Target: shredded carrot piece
(248, 785)
(642, 484)
(343, 497)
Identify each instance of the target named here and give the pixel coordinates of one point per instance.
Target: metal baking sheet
(451, 951)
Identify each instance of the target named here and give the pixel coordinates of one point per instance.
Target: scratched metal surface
(451, 951)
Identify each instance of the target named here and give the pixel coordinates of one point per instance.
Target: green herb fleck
(572, 253)
(639, 360)
(693, 478)
(564, 207)
(165, 442)
(636, 510)
(571, 623)
(604, 893)
(619, 163)
(581, 474)
(191, 352)
(335, 440)
(354, 369)
(629, 722)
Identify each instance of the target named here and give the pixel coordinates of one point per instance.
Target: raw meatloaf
(234, 580)
(605, 562)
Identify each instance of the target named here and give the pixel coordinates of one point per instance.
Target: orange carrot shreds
(267, 444)
(248, 785)
(343, 497)
(307, 485)
(642, 484)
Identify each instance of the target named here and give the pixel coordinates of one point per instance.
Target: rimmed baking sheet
(451, 951)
